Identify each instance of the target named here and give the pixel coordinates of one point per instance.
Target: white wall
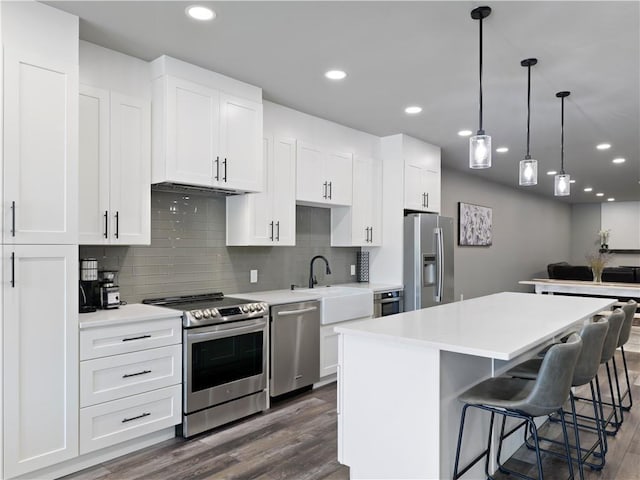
(529, 232)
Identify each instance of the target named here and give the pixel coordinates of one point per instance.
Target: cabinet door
(339, 172)
(40, 356)
(192, 130)
(93, 166)
(130, 192)
(283, 191)
(375, 234)
(414, 198)
(362, 201)
(240, 144)
(431, 186)
(40, 150)
(310, 183)
(261, 204)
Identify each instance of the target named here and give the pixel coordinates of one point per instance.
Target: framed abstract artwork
(474, 225)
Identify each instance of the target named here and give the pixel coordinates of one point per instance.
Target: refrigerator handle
(439, 264)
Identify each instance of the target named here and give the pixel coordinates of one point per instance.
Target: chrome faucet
(312, 279)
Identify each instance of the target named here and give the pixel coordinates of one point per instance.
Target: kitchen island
(399, 377)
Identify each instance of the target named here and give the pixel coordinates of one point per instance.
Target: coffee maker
(109, 291)
(89, 284)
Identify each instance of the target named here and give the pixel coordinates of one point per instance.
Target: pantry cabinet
(324, 178)
(115, 168)
(40, 147)
(205, 137)
(40, 356)
(269, 217)
(360, 224)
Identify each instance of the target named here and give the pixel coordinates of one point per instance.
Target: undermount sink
(340, 304)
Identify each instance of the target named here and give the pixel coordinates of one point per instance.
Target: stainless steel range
(225, 348)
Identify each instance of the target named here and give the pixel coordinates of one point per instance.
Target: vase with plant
(597, 262)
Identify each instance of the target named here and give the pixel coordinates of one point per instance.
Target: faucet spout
(312, 280)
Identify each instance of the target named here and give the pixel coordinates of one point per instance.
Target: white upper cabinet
(361, 224)
(421, 174)
(40, 125)
(204, 134)
(269, 217)
(115, 168)
(323, 177)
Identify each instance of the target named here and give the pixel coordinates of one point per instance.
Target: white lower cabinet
(329, 347)
(40, 356)
(130, 381)
(113, 422)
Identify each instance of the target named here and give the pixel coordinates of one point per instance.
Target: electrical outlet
(353, 269)
(254, 276)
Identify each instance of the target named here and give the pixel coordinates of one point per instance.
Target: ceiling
(424, 53)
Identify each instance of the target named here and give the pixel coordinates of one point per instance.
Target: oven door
(224, 362)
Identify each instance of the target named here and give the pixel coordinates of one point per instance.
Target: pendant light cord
(562, 137)
(528, 107)
(480, 131)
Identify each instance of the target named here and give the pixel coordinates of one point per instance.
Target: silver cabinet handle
(324, 190)
(13, 269)
(136, 338)
(370, 234)
(225, 170)
(217, 160)
(427, 197)
(118, 224)
(13, 219)
(106, 224)
(144, 372)
(330, 190)
(146, 414)
(277, 231)
(271, 226)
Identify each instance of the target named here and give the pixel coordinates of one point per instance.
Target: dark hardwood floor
(297, 439)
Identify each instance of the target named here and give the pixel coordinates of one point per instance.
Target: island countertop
(499, 326)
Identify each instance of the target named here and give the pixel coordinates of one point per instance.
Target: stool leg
(567, 447)
(626, 374)
(577, 435)
(615, 374)
(602, 418)
(486, 461)
(534, 430)
(617, 421)
(462, 418)
(602, 438)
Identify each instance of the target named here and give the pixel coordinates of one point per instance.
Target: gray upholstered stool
(629, 310)
(593, 336)
(524, 399)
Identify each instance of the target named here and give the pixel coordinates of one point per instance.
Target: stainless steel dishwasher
(295, 346)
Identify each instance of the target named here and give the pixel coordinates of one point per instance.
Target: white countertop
(500, 326)
(135, 312)
(375, 287)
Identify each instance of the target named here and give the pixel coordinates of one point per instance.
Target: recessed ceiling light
(198, 12)
(502, 149)
(413, 110)
(618, 160)
(572, 181)
(588, 189)
(465, 133)
(335, 74)
(603, 146)
(599, 194)
(551, 172)
(611, 199)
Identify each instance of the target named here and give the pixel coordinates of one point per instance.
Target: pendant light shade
(480, 144)
(562, 183)
(528, 174)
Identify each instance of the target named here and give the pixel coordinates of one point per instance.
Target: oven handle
(389, 300)
(222, 331)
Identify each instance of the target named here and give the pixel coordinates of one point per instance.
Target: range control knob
(197, 314)
(214, 312)
(258, 307)
(252, 308)
(245, 309)
(206, 313)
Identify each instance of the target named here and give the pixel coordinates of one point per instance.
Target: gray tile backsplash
(188, 255)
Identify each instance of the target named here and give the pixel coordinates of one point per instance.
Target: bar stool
(629, 310)
(608, 349)
(525, 400)
(593, 336)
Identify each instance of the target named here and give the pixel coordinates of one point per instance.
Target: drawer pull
(144, 372)
(146, 414)
(136, 338)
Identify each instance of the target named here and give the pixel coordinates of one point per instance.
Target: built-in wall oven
(388, 303)
(225, 350)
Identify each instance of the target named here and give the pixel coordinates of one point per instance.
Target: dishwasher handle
(285, 313)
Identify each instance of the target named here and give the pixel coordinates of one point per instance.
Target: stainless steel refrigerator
(428, 260)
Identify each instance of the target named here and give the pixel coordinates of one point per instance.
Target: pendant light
(562, 185)
(480, 144)
(529, 166)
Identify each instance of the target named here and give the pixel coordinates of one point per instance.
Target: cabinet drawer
(124, 338)
(106, 379)
(114, 422)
